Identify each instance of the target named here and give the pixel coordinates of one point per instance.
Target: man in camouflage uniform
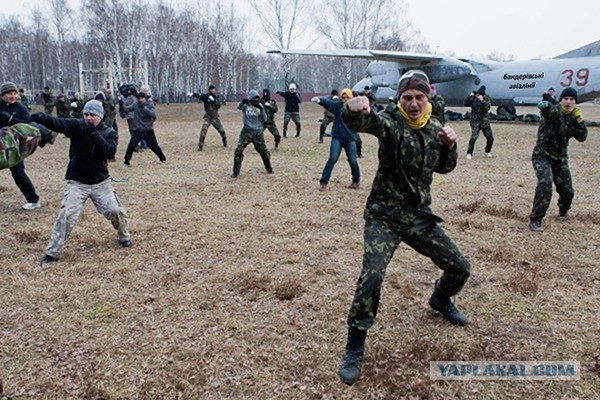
(270, 107)
(480, 104)
(48, 100)
(212, 103)
(560, 123)
(63, 109)
(550, 96)
(254, 117)
(438, 105)
(77, 104)
(110, 110)
(327, 117)
(412, 146)
(24, 99)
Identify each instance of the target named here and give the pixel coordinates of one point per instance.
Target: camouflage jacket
(212, 103)
(63, 109)
(549, 98)
(438, 105)
(16, 143)
(110, 110)
(47, 99)
(407, 160)
(554, 133)
(77, 110)
(25, 101)
(270, 110)
(479, 108)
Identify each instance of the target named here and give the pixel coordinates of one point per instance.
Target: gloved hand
(211, 98)
(578, 115)
(5, 117)
(315, 100)
(120, 102)
(267, 104)
(73, 105)
(543, 104)
(244, 101)
(40, 117)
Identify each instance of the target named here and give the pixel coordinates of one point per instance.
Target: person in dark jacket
(560, 123)
(144, 115)
(412, 146)
(63, 108)
(212, 103)
(254, 116)
(327, 116)
(342, 137)
(271, 109)
(13, 112)
(480, 104)
(92, 145)
(292, 108)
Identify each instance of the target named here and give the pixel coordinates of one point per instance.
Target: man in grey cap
(92, 145)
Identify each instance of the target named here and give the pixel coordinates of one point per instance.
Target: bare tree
(60, 19)
(281, 20)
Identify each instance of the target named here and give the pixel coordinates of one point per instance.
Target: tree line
(199, 43)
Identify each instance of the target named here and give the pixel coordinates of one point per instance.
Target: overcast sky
(523, 28)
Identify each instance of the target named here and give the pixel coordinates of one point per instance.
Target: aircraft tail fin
(589, 50)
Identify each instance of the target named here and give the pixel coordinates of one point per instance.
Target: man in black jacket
(292, 108)
(92, 145)
(13, 112)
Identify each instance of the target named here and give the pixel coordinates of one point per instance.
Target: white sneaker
(488, 155)
(469, 157)
(125, 165)
(31, 206)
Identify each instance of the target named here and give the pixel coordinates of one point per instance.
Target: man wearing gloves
(559, 124)
(271, 109)
(144, 115)
(341, 138)
(412, 146)
(292, 109)
(212, 103)
(92, 145)
(480, 104)
(254, 117)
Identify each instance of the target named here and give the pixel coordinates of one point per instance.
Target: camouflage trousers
(258, 140)
(270, 125)
(382, 238)
(485, 127)
(548, 171)
(323, 127)
(216, 122)
(294, 116)
(106, 201)
(48, 107)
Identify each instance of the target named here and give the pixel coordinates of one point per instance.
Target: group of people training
(414, 143)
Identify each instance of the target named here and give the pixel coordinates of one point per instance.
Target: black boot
(353, 355)
(440, 301)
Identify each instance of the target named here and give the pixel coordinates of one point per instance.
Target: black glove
(120, 102)
(244, 101)
(5, 117)
(40, 117)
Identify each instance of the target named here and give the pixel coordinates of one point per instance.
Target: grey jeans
(107, 203)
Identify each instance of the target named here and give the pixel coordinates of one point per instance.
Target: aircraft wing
(383, 55)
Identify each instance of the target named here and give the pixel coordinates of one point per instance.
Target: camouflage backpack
(17, 142)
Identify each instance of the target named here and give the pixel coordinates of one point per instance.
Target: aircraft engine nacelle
(384, 73)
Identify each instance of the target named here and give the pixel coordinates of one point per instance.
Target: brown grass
(239, 289)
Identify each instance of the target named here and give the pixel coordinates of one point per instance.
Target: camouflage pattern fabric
(48, 102)
(327, 119)
(258, 140)
(25, 101)
(77, 112)
(438, 105)
(382, 238)
(551, 161)
(549, 98)
(110, 110)
(398, 209)
(207, 122)
(270, 125)
(17, 142)
(480, 121)
(63, 109)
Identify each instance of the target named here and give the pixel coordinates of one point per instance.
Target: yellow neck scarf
(564, 110)
(418, 123)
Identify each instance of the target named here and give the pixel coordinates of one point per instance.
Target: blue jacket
(339, 130)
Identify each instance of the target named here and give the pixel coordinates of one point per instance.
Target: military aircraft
(508, 83)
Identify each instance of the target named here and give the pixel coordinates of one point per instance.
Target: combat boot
(441, 302)
(350, 367)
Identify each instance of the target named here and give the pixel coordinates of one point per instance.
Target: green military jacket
(17, 142)
(438, 105)
(270, 110)
(554, 133)
(407, 160)
(479, 108)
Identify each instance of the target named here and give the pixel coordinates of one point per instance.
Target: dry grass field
(239, 288)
